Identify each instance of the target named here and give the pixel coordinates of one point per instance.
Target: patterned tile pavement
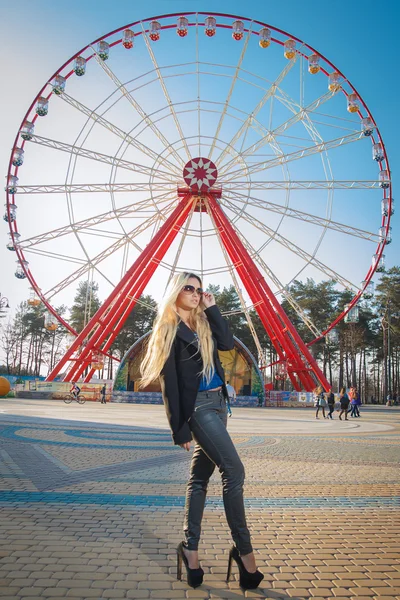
(91, 504)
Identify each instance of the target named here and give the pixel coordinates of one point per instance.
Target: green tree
(319, 304)
(86, 304)
(229, 304)
(317, 300)
(138, 323)
(9, 347)
(28, 347)
(387, 306)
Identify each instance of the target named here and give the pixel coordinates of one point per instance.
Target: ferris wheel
(202, 142)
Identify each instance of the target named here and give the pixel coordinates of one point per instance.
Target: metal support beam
(104, 326)
(284, 336)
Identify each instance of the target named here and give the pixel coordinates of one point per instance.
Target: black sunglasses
(190, 289)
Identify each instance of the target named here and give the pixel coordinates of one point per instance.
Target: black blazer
(181, 374)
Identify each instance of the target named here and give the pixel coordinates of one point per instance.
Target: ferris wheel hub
(200, 174)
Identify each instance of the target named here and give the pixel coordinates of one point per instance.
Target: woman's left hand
(208, 299)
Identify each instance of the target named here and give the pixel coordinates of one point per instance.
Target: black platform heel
(248, 581)
(194, 576)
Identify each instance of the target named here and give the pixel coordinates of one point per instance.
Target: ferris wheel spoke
(247, 123)
(272, 135)
(294, 107)
(181, 243)
(201, 241)
(315, 136)
(166, 94)
(86, 224)
(285, 158)
(52, 292)
(96, 187)
(307, 217)
(280, 287)
(309, 124)
(308, 258)
(93, 263)
(138, 108)
(300, 115)
(48, 254)
(228, 98)
(99, 157)
(303, 185)
(333, 126)
(119, 132)
(198, 85)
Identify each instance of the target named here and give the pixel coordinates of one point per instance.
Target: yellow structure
(239, 366)
(33, 299)
(4, 387)
(50, 322)
(97, 361)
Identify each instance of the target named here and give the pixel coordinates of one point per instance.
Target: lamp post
(3, 304)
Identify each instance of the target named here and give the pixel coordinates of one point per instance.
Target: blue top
(215, 382)
(356, 401)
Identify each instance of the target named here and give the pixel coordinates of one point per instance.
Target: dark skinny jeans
(354, 411)
(331, 408)
(214, 447)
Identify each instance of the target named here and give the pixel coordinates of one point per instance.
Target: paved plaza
(92, 498)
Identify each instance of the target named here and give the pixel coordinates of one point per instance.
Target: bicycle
(69, 397)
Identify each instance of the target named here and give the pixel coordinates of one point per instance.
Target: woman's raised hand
(208, 299)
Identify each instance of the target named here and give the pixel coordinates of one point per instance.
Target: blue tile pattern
(28, 443)
(212, 502)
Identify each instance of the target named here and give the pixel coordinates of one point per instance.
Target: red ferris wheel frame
(271, 309)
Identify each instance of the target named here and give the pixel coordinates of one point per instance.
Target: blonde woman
(319, 401)
(183, 352)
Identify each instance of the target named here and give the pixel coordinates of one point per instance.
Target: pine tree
(387, 304)
(138, 323)
(86, 304)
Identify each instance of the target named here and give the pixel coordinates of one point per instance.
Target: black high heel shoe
(247, 580)
(194, 576)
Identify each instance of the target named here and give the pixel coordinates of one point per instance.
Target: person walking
(331, 403)
(355, 402)
(320, 401)
(358, 402)
(344, 404)
(231, 397)
(183, 352)
(103, 394)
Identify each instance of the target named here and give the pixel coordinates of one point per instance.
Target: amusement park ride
(186, 194)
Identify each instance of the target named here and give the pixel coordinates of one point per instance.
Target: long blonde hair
(164, 332)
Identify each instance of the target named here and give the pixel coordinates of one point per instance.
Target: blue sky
(358, 37)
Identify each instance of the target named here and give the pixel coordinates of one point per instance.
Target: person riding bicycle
(75, 390)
